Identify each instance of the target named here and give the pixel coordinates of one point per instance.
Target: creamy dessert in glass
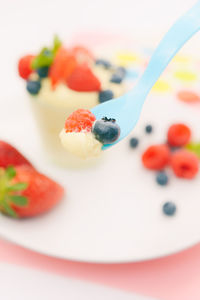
(60, 80)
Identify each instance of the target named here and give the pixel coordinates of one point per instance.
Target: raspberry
(178, 135)
(185, 164)
(80, 120)
(62, 67)
(82, 79)
(24, 66)
(156, 157)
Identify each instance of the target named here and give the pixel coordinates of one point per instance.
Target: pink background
(176, 277)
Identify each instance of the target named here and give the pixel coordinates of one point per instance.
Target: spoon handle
(174, 39)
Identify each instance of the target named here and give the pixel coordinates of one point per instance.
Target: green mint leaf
(56, 44)
(10, 172)
(19, 200)
(44, 59)
(18, 186)
(8, 210)
(194, 147)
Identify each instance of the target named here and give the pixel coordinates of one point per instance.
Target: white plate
(112, 213)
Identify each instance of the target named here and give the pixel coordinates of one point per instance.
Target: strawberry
(178, 135)
(26, 193)
(83, 55)
(24, 66)
(63, 65)
(80, 120)
(11, 156)
(156, 157)
(185, 164)
(82, 79)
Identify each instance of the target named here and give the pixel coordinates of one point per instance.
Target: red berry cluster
(184, 163)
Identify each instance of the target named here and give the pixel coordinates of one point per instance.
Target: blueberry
(133, 142)
(105, 63)
(105, 95)
(33, 87)
(43, 72)
(169, 208)
(174, 148)
(162, 178)
(116, 78)
(106, 130)
(148, 129)
(121, 71)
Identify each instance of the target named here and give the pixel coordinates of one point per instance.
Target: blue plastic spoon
(126, 109)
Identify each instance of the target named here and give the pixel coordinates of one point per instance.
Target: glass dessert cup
(50, 117)
(60, 81)
(51, 107)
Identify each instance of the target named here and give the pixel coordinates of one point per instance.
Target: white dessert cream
(81, 144)
(53, 104)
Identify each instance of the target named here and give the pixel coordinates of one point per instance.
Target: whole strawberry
(11, 156)
(26, 193)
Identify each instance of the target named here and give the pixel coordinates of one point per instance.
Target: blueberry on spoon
(106, 130)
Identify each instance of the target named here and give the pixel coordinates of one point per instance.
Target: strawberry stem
(10, 193)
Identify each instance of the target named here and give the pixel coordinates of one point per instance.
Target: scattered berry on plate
(174, 149)
(169, 208)
(133, 142)
(43, 72)
(149, 128)
(162, 178)
(185, 164)
(24, 66)
(178, 135)
(27, 193)
(103, 62)
(10, 156)
(82, 79)
(105, 96)
(80, 120)
(156, 157)
(106, 130)
(33, 86)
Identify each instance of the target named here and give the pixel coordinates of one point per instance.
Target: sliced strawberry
(62, 67)
(27, 193)
(156, 157)
(24, 66)
(83, 55)
(83, 79)
(80, 120)
(11, 156)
